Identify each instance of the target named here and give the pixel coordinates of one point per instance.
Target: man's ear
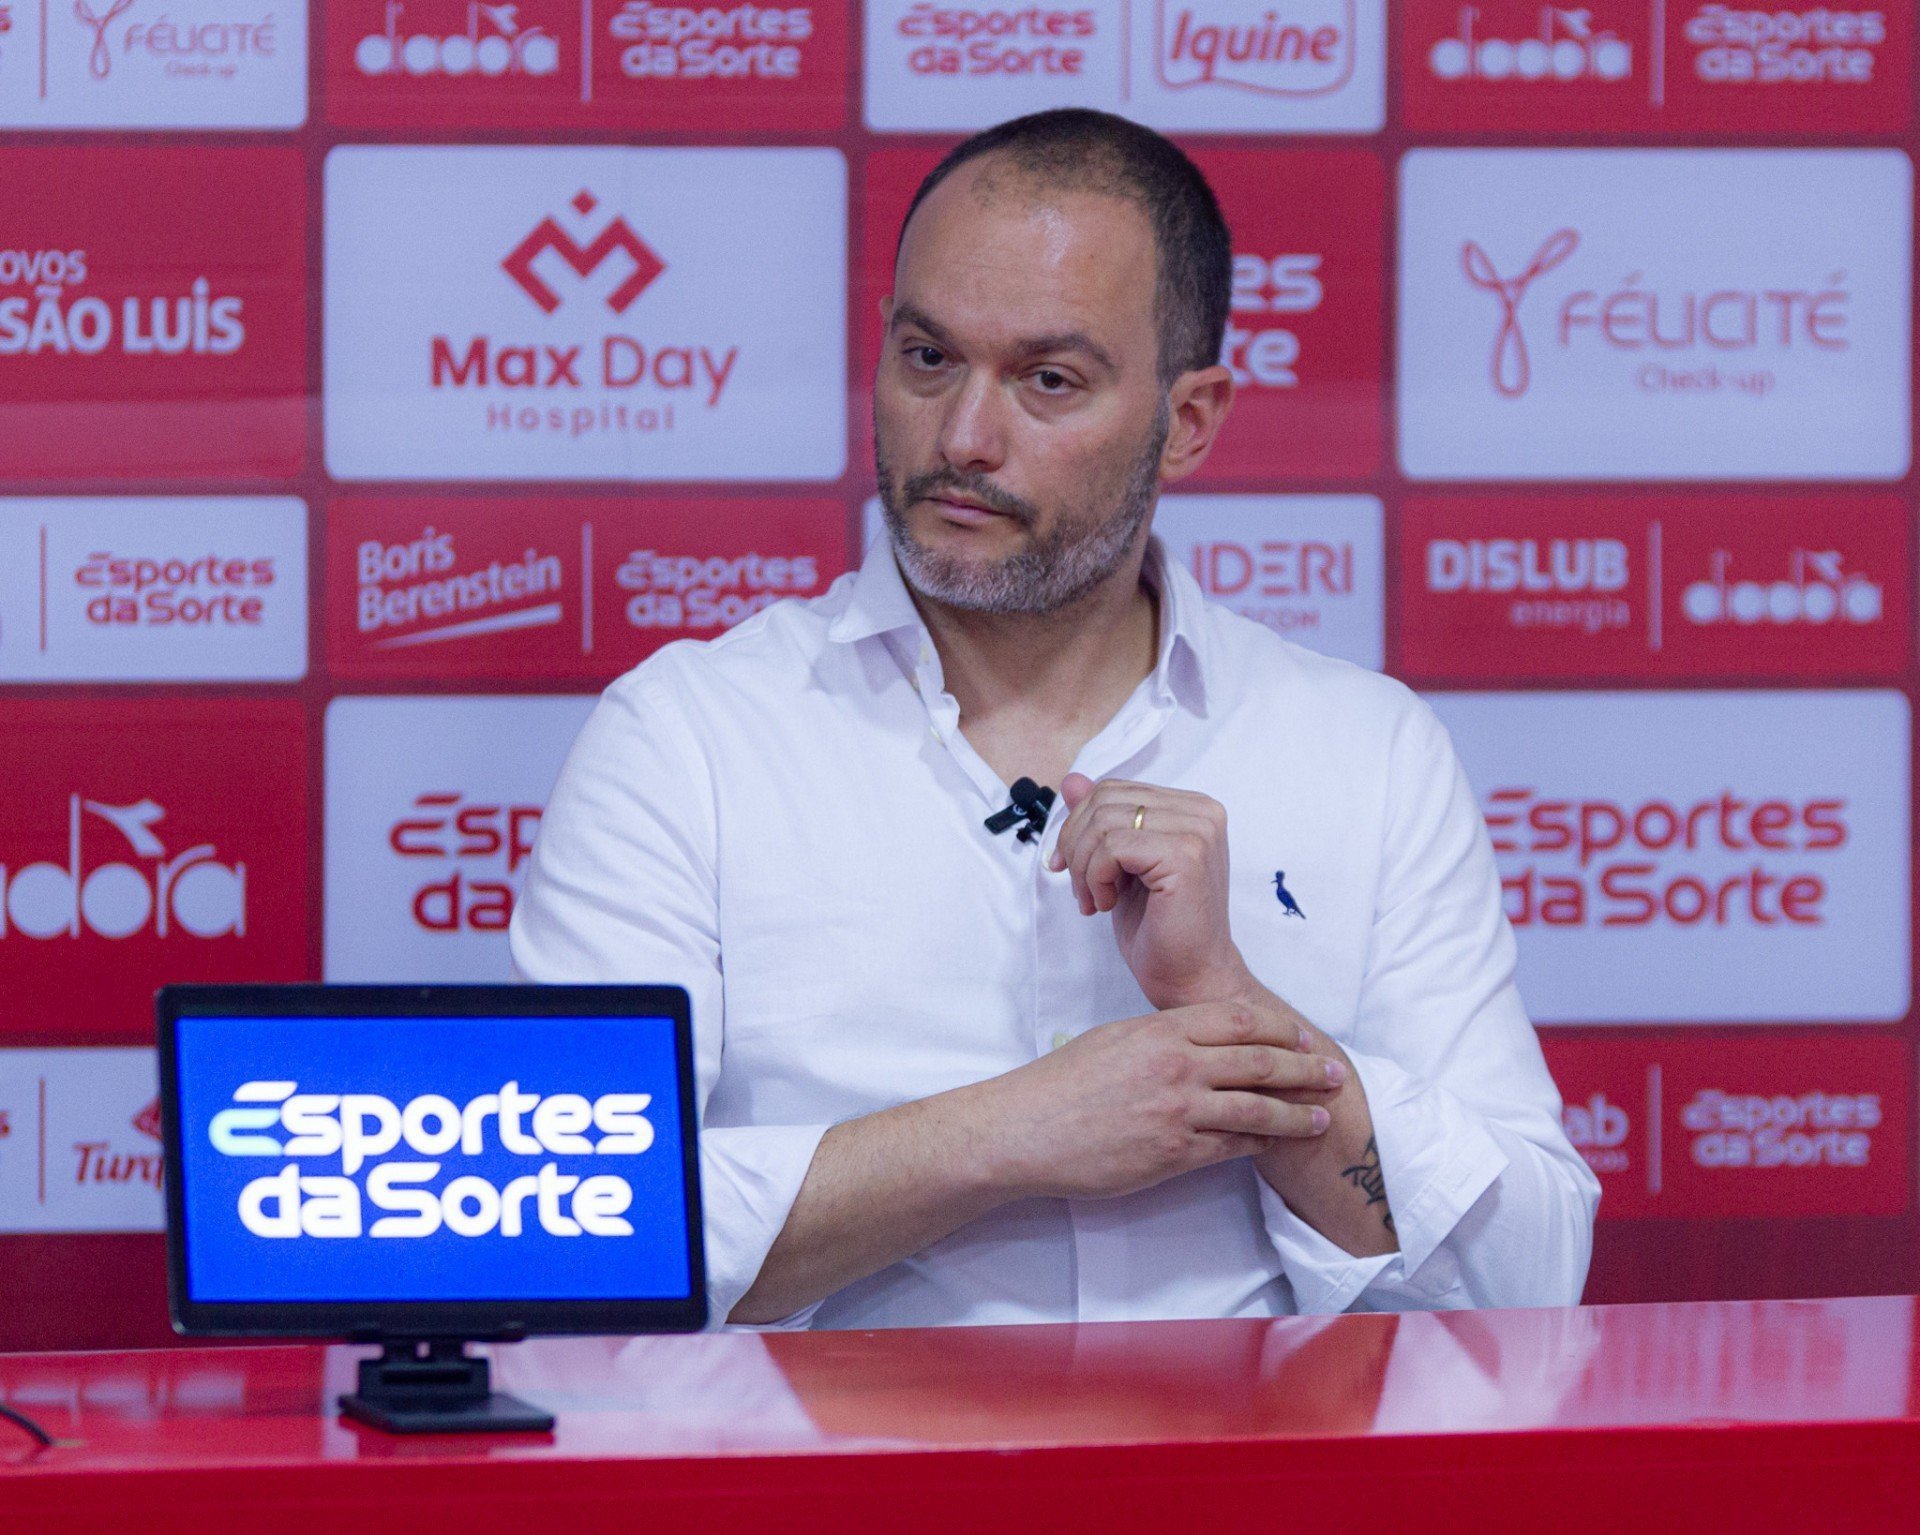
(1197, 407)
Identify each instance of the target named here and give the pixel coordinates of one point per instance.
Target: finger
(1153, 857)
(1115, 818)
(1254, 1114)
(1268, 1068)
(1213, 1023)
(1220, 1146)
(1084, 807)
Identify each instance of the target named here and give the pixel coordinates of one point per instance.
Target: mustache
(976, 487)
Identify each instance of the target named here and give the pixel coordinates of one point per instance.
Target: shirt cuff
(1437, 1157)
(750, 1176)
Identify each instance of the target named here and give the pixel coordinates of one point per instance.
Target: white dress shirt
(786, 821)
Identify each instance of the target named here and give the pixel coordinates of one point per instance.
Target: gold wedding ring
(1139, 816)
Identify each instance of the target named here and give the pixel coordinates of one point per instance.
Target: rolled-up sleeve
(621, 888)
(1491, 1203)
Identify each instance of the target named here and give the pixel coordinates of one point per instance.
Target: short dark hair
(1099, 152)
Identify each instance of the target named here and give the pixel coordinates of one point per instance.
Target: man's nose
(973, 435)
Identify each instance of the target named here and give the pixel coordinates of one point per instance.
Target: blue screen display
(432, 1159)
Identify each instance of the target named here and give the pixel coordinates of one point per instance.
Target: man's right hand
(1130, 1104)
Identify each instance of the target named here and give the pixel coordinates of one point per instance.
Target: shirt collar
(879, 603)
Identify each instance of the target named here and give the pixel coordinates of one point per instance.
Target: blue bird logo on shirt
(1287, 903)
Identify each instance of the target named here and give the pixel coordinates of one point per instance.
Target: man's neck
(1035, 688)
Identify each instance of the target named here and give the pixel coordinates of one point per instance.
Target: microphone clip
(1031, 803)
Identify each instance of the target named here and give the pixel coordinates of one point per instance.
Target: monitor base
(434, 1386)
(496, 1413)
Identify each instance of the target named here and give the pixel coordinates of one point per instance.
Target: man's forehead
(999, 246)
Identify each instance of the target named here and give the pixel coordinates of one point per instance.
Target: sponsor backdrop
(379, 378)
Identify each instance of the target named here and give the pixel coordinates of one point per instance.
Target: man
(1238, 1035)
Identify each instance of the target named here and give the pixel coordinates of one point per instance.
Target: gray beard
(1060, 569)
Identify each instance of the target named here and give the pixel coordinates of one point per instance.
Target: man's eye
(1053, 382)
(926, 356)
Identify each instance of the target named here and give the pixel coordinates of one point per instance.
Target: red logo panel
(153, 313)
(1663, 586)
(712, 69)
(1306, 336)
(581, 588)
(1750, 1125)
(147, 842)
(1517, 67)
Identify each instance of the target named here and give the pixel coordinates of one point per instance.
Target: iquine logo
(1622, 314)
(689, 327)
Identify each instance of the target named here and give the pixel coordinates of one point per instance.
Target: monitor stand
(434, 1386)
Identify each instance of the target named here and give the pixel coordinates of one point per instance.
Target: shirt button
(1060, 1038)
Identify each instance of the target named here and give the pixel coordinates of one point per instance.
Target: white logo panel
(1698, 857)
(1655, 314)
(79, 1141)
(1236, 66)
(585, 314)
(153, 64)
(432, 808)
(1308, 567)
(153, 589)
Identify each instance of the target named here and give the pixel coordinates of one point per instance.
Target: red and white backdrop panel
(378, 380)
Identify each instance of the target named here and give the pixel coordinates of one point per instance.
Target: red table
(1755, 1416)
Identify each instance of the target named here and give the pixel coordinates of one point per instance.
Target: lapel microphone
(1030, 804)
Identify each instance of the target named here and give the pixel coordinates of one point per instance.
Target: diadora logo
(493, 42)
(362, 1129)
(189, 894)
(584, 259)
(1566, 46)
(1304, 48)
(1816, 589)
(1511, 369)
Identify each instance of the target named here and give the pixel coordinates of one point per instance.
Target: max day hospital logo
(621, 362)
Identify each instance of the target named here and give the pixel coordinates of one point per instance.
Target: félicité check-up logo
(584, 259)
(1511, 370)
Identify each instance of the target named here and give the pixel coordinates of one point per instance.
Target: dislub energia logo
(1302, 48)
(363, 1129)
(1684, 333)
(143, 888)
(1816, 589)
(1566, 46)
(493, 42)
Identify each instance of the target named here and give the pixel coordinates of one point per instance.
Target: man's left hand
(1157, 859)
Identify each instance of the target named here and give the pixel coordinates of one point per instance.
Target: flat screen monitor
(420, 1162)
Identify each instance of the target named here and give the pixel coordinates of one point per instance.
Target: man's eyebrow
(911, 315)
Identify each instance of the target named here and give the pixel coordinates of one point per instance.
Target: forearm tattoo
(1366, 1176)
